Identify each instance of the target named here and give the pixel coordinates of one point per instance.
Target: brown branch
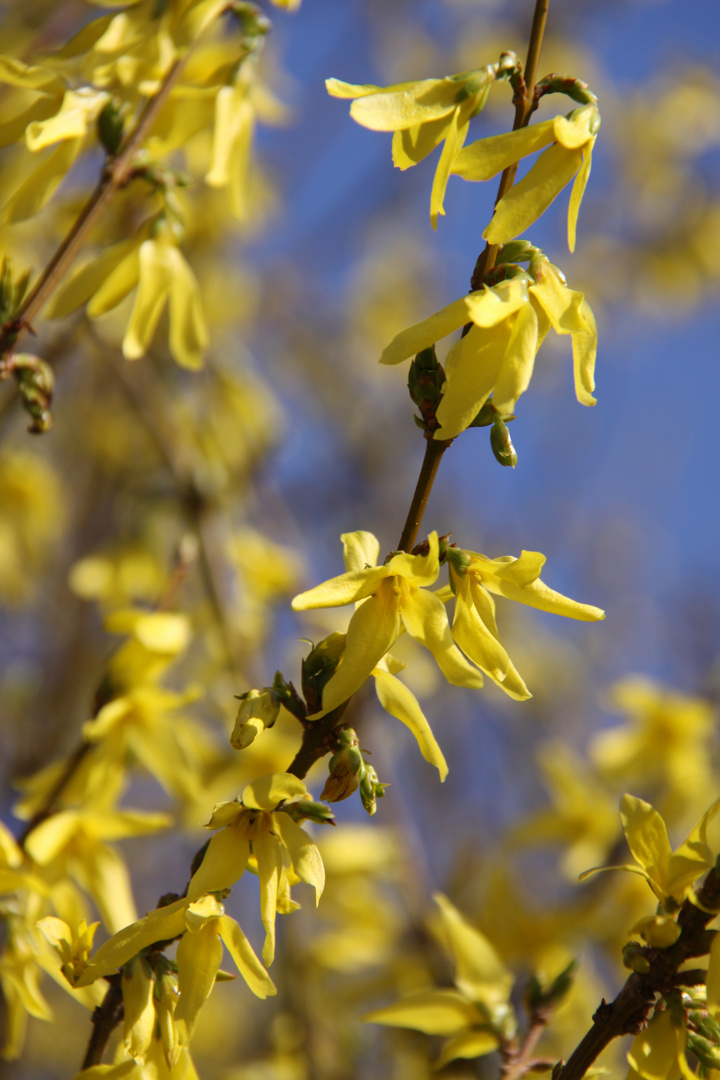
(520, 1061)
(104, 1020)
(434, 450)
(628, 1013)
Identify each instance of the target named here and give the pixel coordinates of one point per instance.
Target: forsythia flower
(572, 138)
(257, 826)
(473, 578)
(670, 874)
(395, 599)
(421, 115)
(497, 355)
(156, 268)
(476, 1015)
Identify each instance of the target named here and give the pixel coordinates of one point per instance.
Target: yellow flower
(497, 355)
(476, 1015)
(421, 115)
(395, 599)
(156, 268)
(570, 154)
(73, 947)
(473, 578)
(670, 874)
(256, 826)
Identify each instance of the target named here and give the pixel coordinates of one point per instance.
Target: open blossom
(390, 598)
(570, 141)
(509, 322)
(421, 115)
(474, 578)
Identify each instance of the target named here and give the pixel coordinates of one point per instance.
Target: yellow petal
(519, 360)
(426, 620)
(105, 876)
(188, 330)
(165, 922)
(199, 911)
(419, 337)
(584, 346)
(421, 569)
(138, 1009)
(360, 550)
(647, 837)
(472, 367)
(304, 855)
(412, 145)
(373, 630)
(223, 864)
(576, 195)
(155, 275)
(436, 1012)
(121, 280)
(39, 187)
(268, 792)
(245, 959)
(486, 158)
(525, 202)
(480, 973)
(86, 282)
(476, 638)
(392, 110)
(48, 839)
(655, 1050)
(79, 109)
(468, 1044)
(401, 703)
(454, 138)
(339, 89)
(267, 853)
(16, 73)
(344, 589)
(198, 959)
(233, 126)
(576, 130)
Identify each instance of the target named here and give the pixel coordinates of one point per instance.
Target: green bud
(634, 958)
(501, 444)
(346, 766)
(318, 667)
(371, 789)
(110, 125)
(706, 1025)
(486, 416)
(707, 1053)
(459, 560)
(36, 382)
(425, 381)
(517, 251)
(564, 84)
(307, 810)
(543, 995)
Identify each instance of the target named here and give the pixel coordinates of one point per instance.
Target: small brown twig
(517, 1061)
(104, 1020)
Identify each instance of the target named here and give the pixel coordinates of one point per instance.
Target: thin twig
(104, 1020)
(434, 450)
(523, 112)
(520, 1061)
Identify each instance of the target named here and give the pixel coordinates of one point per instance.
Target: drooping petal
(188, 330)
(103, 873)
(487, 157)
(304, 855)
(339, 89)
(118, 284)
(426, 620)
(584, 347)
(538, 595)
(373, 630)
(480, 973)
(647, 837)
(528, 200)
(401, 703)
(223, 864)
(138, 1009)
(472, 367)
(155, 275)
(519, 360)
(267, 853)
(576, 195)
(269, 791)
(436, 1012)
(477, 640)
(412, 145)
(245, 959)
(198, 959)
(79, 109)
(454, 139)
(360, 550)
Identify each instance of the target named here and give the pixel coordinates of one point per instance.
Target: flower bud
(371, 789)
(258, 710)
(346, 766)
(501, 444)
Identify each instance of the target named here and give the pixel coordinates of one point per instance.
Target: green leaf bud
(501, 444)
(258, 710)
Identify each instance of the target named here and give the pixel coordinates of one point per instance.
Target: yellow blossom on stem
(670, 874)
(509, 322)
(72, 946)
(570, 155)
(392, 598)
(257, 826)
(421, 115)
